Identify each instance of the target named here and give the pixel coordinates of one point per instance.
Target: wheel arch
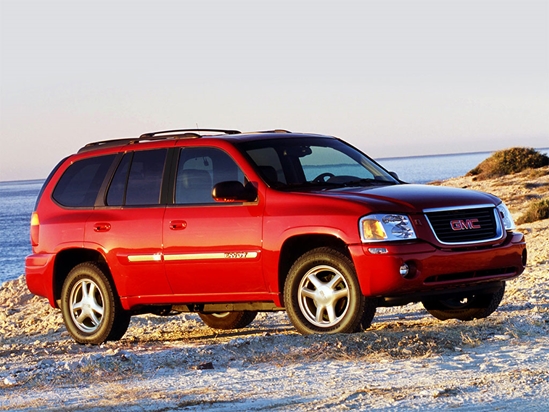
(296, 246)
(68, 259)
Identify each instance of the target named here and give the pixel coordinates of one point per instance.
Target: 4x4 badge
(464, 224)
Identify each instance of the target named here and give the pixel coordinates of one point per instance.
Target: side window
(80, 184)
(117, 190)
(138, 179)
(269, 164)
(199, 170)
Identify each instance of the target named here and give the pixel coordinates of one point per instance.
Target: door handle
(178, 224)
(102, 227)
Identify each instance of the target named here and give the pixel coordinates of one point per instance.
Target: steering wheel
(321, 178)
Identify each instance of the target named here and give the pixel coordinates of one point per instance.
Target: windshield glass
(313, 162)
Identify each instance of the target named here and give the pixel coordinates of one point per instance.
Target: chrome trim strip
(211, 256)
(157, 257)
(449, 209)
(499, 226)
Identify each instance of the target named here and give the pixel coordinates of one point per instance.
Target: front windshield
(313, 162)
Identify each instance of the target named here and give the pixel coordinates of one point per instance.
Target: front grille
(465, 226)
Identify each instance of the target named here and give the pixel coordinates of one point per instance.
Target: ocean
(17, 200)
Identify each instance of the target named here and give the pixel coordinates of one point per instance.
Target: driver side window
(199, 170)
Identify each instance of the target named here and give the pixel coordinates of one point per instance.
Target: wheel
(477, 306)
(322, 294)
(91, 310)
(228, 320)
(370, 307)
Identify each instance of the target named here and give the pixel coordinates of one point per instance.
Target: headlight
(379, 228)
(506, 217)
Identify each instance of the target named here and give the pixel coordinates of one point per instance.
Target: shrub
(509, 161)
(536, 211)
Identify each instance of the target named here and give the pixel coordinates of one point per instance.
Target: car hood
(413, 198)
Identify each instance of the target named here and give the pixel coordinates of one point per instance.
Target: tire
(476, 306)
(228, 320)
(370, 307)
(322, 294)
(91, 310)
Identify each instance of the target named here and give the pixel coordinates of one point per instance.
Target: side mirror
(233, 191)
(394, 175)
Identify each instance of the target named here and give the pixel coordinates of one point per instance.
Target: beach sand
(406, 360)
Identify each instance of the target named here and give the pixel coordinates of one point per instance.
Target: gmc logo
(464, 224)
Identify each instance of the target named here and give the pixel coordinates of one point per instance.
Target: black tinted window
(138, 179)
(117, 190)
(80, 184)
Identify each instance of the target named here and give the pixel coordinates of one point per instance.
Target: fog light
(404, 270)
(378, 250)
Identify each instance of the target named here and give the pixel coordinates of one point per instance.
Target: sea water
(17, 200)
(424, 169)
(16, 205)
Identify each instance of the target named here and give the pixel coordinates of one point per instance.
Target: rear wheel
(228, 320)
(91, 310)
(322, 294)
(475, 306)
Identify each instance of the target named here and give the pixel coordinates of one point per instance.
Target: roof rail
(107, 143)
(164, 134)
(272, 131)
(183, 133)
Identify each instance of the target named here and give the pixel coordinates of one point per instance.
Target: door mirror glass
(234, 191)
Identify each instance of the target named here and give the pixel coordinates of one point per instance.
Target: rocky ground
(407, 360)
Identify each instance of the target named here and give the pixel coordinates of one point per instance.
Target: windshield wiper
(366, 182)
(336, 185)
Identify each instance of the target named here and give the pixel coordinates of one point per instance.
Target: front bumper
(433, 269)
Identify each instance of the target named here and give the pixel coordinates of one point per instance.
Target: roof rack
(184, 133)
(272, 131)
(165, 134)
(106, 143)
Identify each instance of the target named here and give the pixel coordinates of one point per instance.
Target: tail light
(34, 229)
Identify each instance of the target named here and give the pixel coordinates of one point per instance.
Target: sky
(394, 78)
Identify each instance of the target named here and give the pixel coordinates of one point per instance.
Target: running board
(228, 307)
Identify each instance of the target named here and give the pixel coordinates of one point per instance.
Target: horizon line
(375, 158)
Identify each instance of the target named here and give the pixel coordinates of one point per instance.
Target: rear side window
(80, 184)
(138, 179)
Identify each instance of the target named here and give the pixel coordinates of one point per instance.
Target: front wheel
(228, 320)
(322, 294)
(475, 306)
(90, 307)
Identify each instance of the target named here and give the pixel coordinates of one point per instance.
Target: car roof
(230, 135)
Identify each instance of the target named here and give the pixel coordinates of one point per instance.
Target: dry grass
(537, 210)
(509, 161)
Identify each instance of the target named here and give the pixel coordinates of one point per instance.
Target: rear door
(129, 228)
(212, 251)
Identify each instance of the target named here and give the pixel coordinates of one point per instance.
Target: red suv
(227, 224)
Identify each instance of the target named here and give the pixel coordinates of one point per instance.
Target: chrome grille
(465, 225)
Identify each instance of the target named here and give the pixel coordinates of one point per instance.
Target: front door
(212, 251)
